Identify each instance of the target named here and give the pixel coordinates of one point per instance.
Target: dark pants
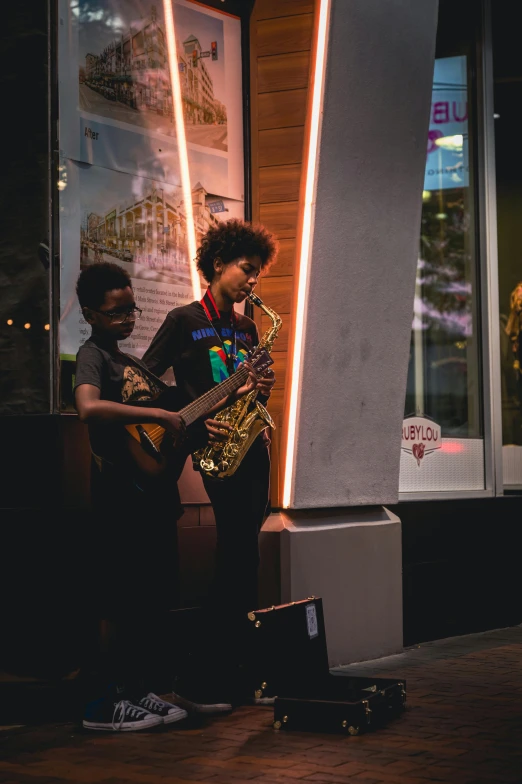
(131, 579)
(216, 648)
(240, 505)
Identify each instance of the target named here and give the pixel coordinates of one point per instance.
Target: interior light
(451, 447)
(182, 144)
(441, 216)
(450, 142)
(9, 322)
(426, 195)
(27, 325)
(47, 327)
(305, 248)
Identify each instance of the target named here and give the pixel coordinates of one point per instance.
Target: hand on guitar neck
(173, 423)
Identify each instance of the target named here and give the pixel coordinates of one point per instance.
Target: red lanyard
(233, 322)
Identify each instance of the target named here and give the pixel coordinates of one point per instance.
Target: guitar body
(148, 462)
(150, 448)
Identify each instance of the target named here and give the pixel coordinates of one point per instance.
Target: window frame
(483, 182)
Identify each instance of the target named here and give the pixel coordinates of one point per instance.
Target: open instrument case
(286, 659)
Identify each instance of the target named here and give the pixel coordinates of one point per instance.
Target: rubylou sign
(420, 437)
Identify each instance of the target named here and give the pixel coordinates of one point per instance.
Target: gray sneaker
(122, 716)
(168, 712)
(201, 701)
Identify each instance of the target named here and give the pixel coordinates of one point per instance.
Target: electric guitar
(151, 448)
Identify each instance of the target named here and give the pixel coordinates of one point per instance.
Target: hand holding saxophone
(218, 430)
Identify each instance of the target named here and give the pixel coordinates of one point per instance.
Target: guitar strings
(199, 405)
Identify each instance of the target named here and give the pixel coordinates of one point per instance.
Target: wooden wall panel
(281, 217)
(285, 259)
(284, 35)
(276, 404)
(283, 72)
(281, 110)
(281, 41)
(268, 9)
(280, 146)
(279, 367)
(279, 183)
(277, 292)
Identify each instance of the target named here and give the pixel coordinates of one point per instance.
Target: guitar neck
(207, 401)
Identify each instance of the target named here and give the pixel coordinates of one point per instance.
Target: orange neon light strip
(306, 244)
(182, 145)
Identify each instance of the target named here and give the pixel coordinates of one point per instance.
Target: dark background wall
(461, 566)
(24, 211)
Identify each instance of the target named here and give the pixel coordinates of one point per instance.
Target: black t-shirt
(120, 378)
(198, 348)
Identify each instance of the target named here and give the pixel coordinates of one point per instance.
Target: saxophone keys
(223, 465)
(206, 465)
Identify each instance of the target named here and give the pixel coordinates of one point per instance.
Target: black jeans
(240, 505)
(130, 579)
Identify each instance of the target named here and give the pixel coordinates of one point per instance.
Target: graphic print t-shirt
(187, 342)
(120, 378)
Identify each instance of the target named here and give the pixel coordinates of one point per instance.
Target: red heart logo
(418, 452)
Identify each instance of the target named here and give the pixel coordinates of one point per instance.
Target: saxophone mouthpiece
(254, 298)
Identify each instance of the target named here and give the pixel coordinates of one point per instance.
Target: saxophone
(247, 417)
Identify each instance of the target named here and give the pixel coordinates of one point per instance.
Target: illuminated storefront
(159, 139)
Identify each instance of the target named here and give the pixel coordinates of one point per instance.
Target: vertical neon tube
(306, 242)
(182, 144)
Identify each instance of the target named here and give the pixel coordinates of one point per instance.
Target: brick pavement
(463, 725)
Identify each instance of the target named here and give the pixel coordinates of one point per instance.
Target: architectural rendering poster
(121, 194)
(138, 223)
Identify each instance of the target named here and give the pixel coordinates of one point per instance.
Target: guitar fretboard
(207, 401)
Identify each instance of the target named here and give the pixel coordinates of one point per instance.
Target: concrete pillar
(358, 316)
(351, 558)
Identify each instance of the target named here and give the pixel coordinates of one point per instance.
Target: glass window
(507, 95)
(444, 376)
(25, 320)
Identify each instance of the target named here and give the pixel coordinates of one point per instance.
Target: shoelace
(151, 702)
(125, 707)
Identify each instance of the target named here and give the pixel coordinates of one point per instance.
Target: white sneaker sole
(219, 707)
(173, 717)
(128, 726)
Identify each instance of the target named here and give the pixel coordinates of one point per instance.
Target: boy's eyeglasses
(119, 318)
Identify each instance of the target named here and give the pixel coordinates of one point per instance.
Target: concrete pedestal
(351, 558)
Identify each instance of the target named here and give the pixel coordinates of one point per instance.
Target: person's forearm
(107, 411)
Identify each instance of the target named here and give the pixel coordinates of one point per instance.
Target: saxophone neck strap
(212, 311)
(214, 316)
